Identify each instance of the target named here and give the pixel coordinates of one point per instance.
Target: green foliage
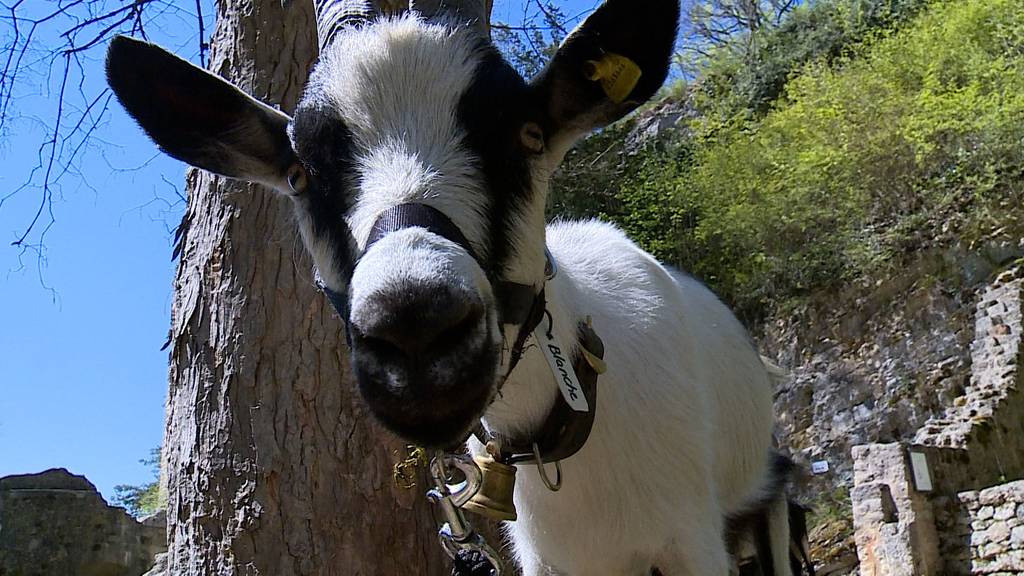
(910, 140)
(751, 72)
(600, 179)
(144, 499)
(860, 153)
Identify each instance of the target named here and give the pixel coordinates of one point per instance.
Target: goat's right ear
(613, 62)
(198, 117)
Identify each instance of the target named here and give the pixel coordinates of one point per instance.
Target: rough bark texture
(273, 465)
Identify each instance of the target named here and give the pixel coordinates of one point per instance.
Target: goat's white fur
(683, 429)
(397, 85)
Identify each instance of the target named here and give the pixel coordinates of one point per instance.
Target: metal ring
(553, 271)
(297, 178)
(557, 485)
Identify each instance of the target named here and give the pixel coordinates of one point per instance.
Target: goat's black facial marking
(493, 112)
(324, 146)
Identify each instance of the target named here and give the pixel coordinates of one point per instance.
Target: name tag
(561, 368)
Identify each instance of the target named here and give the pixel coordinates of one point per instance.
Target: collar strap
(416, 215)
(564, 431)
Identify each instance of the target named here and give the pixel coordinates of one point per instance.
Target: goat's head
(418, 108)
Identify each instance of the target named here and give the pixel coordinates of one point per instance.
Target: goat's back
(675, 351)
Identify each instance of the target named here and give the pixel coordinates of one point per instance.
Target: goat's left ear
(615, 61)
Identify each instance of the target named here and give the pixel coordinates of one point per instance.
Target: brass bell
(494, 498)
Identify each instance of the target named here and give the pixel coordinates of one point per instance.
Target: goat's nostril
(412, 329)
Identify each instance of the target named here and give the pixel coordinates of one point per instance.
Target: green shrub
(911, 140)
(145, 499)
(751, 72)
(864, 151)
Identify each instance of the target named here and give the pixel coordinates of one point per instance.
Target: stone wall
(895, 531)
(957, 515)
(879, 360)
(55, 523)
(983, 530)
(872, 368)
(979, 440)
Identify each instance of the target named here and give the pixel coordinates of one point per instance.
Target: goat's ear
(197, 117)
(615, 61)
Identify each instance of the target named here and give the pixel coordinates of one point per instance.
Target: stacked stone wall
(968, 517)
(979, 441)
(895, 532)
(982, 531)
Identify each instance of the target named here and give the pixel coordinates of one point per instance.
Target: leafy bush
(907, 129)
(751, 72)
(144, 499)
(912, 139)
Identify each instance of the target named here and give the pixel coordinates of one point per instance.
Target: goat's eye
(532, 137)
(297, 178)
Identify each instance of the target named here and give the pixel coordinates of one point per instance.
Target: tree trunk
(273, 465)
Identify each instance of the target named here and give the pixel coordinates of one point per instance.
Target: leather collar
(564, 431)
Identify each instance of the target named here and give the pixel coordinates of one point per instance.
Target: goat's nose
(415, 319)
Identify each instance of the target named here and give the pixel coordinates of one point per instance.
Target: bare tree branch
(726, 24)
(530, 43)
(44, 48)
(41, 46)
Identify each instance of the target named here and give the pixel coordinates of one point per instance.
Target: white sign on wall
(922, 477)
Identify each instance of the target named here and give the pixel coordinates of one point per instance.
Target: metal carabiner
(457, 534)
(550, 266)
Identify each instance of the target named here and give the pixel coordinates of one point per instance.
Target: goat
(418, 163)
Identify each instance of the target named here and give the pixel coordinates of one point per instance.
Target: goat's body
(682, 437)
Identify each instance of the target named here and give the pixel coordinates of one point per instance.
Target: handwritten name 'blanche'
(568, 380)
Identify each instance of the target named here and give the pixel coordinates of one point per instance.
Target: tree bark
(273, 465)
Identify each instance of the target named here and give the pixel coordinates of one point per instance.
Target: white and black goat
(421, 110)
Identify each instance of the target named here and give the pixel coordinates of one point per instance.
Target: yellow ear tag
(617, 74)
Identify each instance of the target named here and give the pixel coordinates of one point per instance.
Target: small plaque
(922, 476)
(819, 467)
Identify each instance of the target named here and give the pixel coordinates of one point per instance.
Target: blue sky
(82, 376)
